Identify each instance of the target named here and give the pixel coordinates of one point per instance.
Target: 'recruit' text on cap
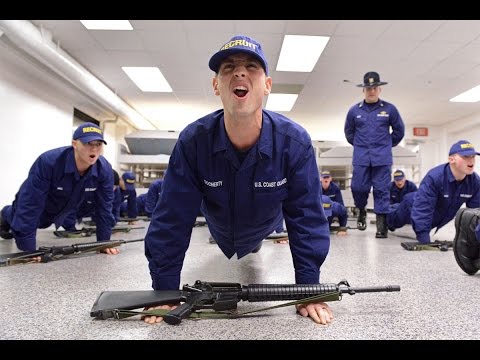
(89, 132)
(398, 175)
(238, 44)
(129, 180)
(325, 174)
(463, 148)
(327, 205)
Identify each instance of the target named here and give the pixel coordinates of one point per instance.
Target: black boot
(257, 248)
(5, 229)
(382, 230)
(466, 247)
(362, 220)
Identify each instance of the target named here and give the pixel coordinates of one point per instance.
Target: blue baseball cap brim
(86, 139)
(238, 44)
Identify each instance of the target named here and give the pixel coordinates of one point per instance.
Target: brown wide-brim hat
(371, 79)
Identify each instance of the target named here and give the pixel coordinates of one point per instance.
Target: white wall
(36, 114)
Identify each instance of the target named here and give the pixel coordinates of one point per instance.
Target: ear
(215, 86)
(74, 144)
(268, 85)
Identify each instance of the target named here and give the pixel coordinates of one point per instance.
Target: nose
(240, 70)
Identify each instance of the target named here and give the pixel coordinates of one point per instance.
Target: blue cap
(327, 205)
(129, 180)
(398, 175)
(325, 174)
(88, 132)
(463, 148)
(238, 44)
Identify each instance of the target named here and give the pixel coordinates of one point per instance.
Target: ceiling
(426, 62)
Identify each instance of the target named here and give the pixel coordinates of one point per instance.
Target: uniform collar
(450, 176)
(379, 103)
(264, 142)
(71, 166)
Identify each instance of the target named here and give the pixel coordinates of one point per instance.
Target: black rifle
(219, 296)
(126, 219)
(50, 253)
(89, 231)
(143, 218)
(436, 245)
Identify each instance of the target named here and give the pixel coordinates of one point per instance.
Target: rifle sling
(331, 296)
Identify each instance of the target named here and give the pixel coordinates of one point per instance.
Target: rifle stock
(220, 297)
(50, 253)
(107, 301)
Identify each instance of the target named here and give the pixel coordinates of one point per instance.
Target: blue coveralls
(242, 203)
(367, 128)
(334, 193)
(119, 197)
(396, 194)
(338, 211)
(436, 202)
(153, 194)
(53, 190)
(140, 206)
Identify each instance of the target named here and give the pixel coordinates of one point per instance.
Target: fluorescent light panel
(300, 52)
(281, 102)
(107, 24)
(148, 79)
(472, 95)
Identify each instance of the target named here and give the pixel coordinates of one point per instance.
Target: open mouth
(92, 157)
(240, 91)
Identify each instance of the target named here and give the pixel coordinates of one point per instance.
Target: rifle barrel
(91, 245)
(279, 292)
(387, 288)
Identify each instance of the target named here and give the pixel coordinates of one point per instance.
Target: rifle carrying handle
(175, 316)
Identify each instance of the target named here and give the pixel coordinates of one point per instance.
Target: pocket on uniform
(268, 203)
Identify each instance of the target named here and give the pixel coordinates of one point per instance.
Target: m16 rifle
(50, 253)
(219, 297)
(436, 245)
(89, 231)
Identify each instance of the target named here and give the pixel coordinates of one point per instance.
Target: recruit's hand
(281, 240)
(156, 319)
(341, 232)
(111, 251)
(319, 312)
(133, 222)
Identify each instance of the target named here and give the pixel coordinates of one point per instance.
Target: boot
(5, 229)
(362, 220)
(382, 230)
(257, 248)
(466, 247)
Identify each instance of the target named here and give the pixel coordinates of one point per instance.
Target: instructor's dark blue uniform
(367, 128)
(242, 203)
